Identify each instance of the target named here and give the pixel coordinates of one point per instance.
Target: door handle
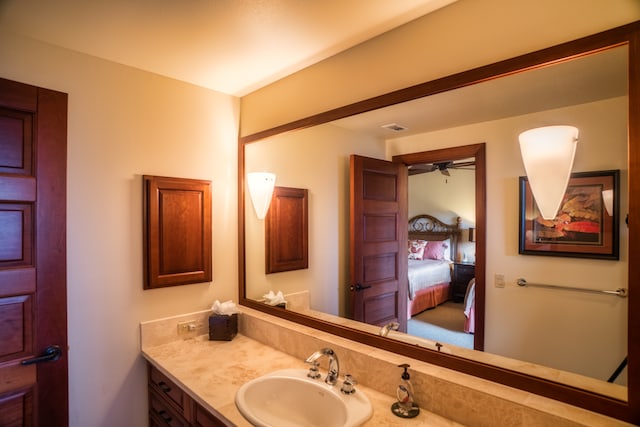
(49, 354)
(358, 287)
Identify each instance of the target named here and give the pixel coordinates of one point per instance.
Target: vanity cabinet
(463, 272)
(169, 405)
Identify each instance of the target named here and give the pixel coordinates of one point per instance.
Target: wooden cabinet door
(177, 231)
(33, 142)
(287, 230)
(204, 418)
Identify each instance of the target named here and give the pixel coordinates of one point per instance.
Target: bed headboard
(427, 227)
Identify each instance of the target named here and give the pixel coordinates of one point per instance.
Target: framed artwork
(586, 225)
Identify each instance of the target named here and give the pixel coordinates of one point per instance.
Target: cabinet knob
(164, 387)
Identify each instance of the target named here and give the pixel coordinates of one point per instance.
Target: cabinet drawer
(464, 273)
(161, 384)
(162, 414)
(204, 418)
(170, 406)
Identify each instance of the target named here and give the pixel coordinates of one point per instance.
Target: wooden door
(378, 241)
(33, 140)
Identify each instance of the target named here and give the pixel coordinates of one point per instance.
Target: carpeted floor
(444, 323)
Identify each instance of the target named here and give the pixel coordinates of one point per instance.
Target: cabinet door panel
(204, 418)
(162, 413)
(167, 388)
(177, 231)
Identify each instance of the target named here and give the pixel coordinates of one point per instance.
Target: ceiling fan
(443, 167)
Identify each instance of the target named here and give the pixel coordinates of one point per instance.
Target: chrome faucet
(334, 366)
(384, 331)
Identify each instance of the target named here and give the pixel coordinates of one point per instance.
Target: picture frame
(587, 223)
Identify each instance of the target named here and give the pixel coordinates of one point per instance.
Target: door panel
(16, 229)
(32, 254)
(379, 268)
(380, 228)
(14, 406)
(16, 129)
(378, 241)
(15, 335)
(381, 308)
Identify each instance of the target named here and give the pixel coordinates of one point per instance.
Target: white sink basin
(288, 398)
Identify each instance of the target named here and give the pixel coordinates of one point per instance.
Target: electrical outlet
(498, 280)
(186, 326)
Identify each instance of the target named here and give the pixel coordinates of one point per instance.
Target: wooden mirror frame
(628, 410)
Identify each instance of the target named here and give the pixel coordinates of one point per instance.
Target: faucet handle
(313, 373)
(348, 384)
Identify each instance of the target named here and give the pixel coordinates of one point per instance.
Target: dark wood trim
(564, 51)
(51, 255)
(242, 257)
(458, 153)
(633, 340)
(625, 410)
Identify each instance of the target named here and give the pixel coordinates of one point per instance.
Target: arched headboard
(427, 227)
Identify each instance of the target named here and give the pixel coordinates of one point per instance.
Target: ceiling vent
(394, 127)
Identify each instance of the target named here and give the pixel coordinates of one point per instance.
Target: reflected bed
(431, 248)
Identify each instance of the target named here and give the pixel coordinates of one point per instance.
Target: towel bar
(621, 292)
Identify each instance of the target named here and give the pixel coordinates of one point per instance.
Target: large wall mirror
(458, 138)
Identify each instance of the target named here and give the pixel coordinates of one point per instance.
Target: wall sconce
(261, 189)
(472, 234)
(547, 154)
(607, 198)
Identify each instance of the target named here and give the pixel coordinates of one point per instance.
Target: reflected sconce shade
(472, 234)
(607, 198)
(261, 190)
(547, 154)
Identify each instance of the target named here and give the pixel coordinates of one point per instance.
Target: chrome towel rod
(621, 292)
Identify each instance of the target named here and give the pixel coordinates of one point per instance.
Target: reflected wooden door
(33, 336)
(378, 261)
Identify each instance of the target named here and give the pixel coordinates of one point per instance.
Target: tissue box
(223, 327)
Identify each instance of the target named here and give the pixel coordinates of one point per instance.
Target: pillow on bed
(435, 250)
(447, 249)
(416, 249)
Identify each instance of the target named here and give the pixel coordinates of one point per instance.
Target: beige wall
(466, 34)
(124, 123)
(534, 324)
(525, 324)
(446, 198)
(316, 159)
(461, 36)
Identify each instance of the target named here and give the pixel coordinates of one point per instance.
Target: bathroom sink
(288, 398)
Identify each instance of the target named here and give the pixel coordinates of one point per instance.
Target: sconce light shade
(261, 189)
(607, 198)
(547, 154)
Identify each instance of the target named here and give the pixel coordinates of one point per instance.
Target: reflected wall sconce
(261, 186)
(547, 154)
(607, 198)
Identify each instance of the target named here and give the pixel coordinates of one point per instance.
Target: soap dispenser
(405, 407)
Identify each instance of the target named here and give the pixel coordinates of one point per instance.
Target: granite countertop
(212, 371)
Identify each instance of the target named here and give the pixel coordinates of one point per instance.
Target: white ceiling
(232, 46)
